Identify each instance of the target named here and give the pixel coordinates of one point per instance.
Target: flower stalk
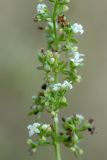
(54, 21)
(60, 62)
(57, 144)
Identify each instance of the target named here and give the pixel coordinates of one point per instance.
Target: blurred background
(19, 80)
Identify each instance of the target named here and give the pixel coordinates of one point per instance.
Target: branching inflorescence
(60, 61)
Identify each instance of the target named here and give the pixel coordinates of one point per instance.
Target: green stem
(57, 145)
(54, 22)
(56, 121)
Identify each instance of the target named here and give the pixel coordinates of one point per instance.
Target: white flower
(77, 59)
(77, 28)
(59, 86)
(67, 84)
(41, 8)
(33, 129)
(45, 126)
(80, 117)
(56, 86)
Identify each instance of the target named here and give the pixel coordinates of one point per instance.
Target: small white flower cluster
(41, 7)
(34, 128)
(77, 59)
(77, 28)
(64, 85)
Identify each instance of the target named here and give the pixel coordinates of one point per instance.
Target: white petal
(31, 133)
(29, 126)
(36, 125)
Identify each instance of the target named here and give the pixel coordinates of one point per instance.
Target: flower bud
(34, 97)
(48, 19)
(73, 149)
(75, 49)
(51, 79)
(81, 151)
(65, 8)
(53, 113)
(78, 80)
(64, 100)
(75, 139)
(60, 30)
(34, 150)
(29, 141)
(49, 129)
(45, 126)
(49, 53)
(52, 60)
(56, 55)
(79, 117)
(47, 67)
(43, 138)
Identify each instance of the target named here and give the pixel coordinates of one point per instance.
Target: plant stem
(54, 22)
(56, 121)
(57, 145)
